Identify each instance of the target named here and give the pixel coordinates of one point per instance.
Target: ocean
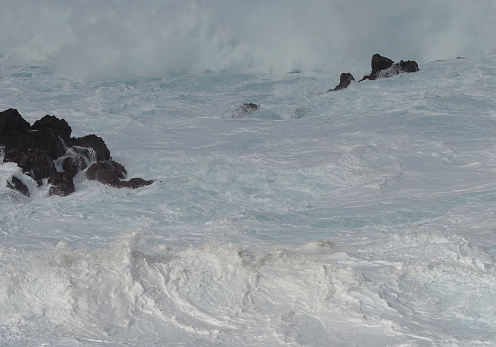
(361, 217)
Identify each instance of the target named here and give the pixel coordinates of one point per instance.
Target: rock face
(383, 67)
(47, 150)
(344, 81)
(245, 110)
(62, 184)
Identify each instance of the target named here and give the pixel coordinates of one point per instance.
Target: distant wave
(93, 39)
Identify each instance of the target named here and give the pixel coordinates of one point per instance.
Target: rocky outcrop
(30, 147)
(245, 110)
(46, 150)
(383, 67)
(344, 81)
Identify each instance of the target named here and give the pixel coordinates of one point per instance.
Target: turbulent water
(362, 217)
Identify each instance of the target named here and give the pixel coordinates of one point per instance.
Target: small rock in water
(344, 81)
(16, 184)
(383, 67)
(245, 110)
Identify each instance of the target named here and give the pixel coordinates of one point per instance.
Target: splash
(94, 40)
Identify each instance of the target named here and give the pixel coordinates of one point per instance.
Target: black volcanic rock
(16, 184)
(104, 172)
(409, 66)
(54, 126)
(110, 172)
(33, 162)
(134, 183)
(245, 110)
(32, 148)
(12, 125)
(92, 141)
(71, 165)
(344, 81)
(62, 184)
(383, 67)
(46, 150)
(380, 63)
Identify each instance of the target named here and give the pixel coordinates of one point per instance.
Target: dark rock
(344, 81)
(104, 172)
(16, 184)
(62, 184)
(380, 63)
(409, 66)
(46, 150)
(12, 125)
(54, 126)
(32, 148)
(383, 67)
(95, 142)
(119, 169)
(33, 162)
(71, 166)
(109, 172)
(245, 110)
(135, 183)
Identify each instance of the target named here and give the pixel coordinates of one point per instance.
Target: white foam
(346, 224)
(224, 293)
(202, 291)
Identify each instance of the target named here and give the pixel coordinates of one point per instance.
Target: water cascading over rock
(46, 150)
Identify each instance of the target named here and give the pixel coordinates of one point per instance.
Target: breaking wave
(199, 290)
(89, 40)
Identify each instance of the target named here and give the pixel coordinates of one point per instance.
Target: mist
(94, 39)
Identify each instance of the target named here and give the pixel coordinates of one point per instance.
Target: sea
(361, 217)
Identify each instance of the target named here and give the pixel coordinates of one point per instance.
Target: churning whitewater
(360, 217)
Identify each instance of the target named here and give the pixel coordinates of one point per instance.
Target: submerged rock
(46, 150)
(344, 81)
(245, 110)
(383, 67)
(15, 183)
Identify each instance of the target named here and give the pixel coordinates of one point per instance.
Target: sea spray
(94, 40)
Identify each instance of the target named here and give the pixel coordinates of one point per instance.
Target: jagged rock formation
(383, 67)
(344, 81)
(46, 150)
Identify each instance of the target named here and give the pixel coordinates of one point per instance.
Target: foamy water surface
(361, 217)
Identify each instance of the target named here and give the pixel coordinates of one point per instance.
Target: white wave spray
(93, 39)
